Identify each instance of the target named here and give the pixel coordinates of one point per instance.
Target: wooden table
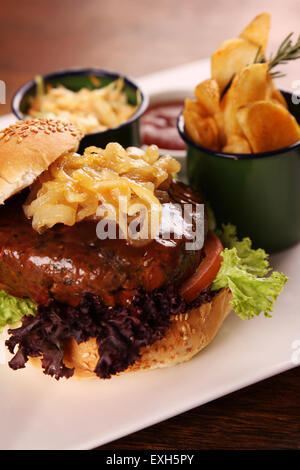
(139, 37)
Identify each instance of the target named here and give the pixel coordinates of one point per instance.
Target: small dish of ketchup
(158, 124)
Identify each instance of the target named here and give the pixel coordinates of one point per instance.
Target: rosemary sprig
(286, 51)
(259, 59)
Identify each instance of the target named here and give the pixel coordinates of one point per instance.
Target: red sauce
(159, 126)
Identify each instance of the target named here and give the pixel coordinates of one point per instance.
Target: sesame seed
(22, 129)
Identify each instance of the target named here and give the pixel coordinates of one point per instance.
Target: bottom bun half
(188, 334)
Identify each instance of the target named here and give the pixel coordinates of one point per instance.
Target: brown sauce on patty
(64, 262)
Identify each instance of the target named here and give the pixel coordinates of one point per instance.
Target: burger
(82, 293)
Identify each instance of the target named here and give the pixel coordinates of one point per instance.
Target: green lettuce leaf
(243, 270)
(256, 261)
(12, 309)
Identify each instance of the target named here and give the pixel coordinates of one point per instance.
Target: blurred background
(134, 37)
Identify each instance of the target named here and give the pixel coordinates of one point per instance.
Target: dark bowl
(127, 134)
(259, 193)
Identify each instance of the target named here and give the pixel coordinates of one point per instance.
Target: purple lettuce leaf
(120, 331)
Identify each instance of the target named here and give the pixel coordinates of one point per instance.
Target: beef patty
(64, 262)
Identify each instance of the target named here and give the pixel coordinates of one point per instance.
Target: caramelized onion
(75, 186)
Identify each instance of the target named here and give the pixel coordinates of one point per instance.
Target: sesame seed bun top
(27, 148)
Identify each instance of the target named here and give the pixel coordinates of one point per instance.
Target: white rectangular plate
(38, 412)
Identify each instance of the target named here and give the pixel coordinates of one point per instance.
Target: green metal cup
(127, 134)
(259, 193)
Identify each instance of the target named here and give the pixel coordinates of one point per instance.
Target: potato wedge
(231, 57)
(237, 144)
(278, 97)
(219, 118)
(195, 106)
(257, 32)
(231, 125)
(208, 95)
(208, 133)
(250, 84)
(203, 131)
(268, 126)
(190, 122)
(275, 95)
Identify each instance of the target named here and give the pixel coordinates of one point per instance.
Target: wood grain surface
(262, 416)
(138, 37)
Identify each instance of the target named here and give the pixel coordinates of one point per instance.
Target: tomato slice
(206, 271)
